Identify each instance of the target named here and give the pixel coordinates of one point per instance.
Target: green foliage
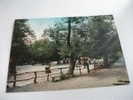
(19, 49)
(104, 39)
(43, 51)
(90, 36)
(72, 37)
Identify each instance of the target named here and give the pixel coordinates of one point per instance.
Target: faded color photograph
(61, 53)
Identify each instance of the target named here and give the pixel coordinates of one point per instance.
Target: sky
(38, 25)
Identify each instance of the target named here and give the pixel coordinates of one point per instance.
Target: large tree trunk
(72, 62)
(69, 33)
(72, 59)
(72, 66)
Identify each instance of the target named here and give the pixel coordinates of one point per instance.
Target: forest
(71, 38)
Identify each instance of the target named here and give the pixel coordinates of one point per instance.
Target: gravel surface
(98, 78)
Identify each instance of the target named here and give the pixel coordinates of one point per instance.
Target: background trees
(72, 37)
(104, 39)
(95, 37)
(20, 53)
(44, 51)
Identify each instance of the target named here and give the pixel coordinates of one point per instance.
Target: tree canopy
(73, 37)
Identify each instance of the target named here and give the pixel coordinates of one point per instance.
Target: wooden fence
(48, 75)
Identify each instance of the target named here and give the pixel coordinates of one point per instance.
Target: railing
(35, 76)
(48, 75)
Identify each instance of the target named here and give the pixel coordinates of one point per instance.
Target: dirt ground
(99, 78)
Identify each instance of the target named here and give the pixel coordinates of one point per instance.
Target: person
(86, 63)
(48, 71)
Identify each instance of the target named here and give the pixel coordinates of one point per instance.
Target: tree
(85, 36)
(104, 38)
(69, 39)
(57, 36)
(43, 51)
(74, 40)
(19, 49)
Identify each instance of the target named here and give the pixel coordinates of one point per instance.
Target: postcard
(61, 53)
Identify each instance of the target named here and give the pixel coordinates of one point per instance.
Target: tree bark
(72, 66)
(69, 32)
(72, 59)
(12, 69)
(106, 63)
(12, 65)
(88, 69)
(86, 64)
(58, 62)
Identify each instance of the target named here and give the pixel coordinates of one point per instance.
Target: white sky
(38, 25)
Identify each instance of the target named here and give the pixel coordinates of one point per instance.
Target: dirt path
(99, 78)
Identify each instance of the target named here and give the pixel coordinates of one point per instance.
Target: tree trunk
(12, 65)
(88, 69)
(69, 32)
(72, 59)
(72, 66)
(72, 63)
(106, 63)
(86, 64)
(12, 69)
(58, 62)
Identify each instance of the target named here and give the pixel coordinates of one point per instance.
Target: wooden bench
(56, 78)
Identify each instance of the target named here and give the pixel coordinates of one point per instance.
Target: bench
(55, 78)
